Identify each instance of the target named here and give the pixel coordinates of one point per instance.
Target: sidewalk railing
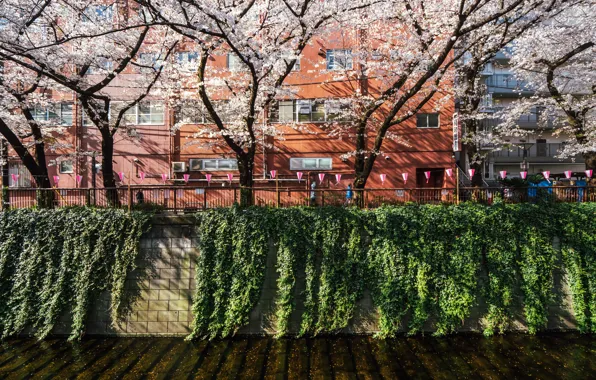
(188, 199)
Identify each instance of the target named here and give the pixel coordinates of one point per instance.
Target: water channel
(553, 355)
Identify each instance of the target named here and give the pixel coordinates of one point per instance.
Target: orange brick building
(422, 143)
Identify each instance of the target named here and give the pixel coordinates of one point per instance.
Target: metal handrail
(193, 198)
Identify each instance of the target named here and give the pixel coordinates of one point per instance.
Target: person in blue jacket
(349, 195)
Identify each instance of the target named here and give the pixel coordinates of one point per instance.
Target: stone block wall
(164, 283)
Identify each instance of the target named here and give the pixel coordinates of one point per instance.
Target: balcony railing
(546, 150)
(192, 199)
(507, 82)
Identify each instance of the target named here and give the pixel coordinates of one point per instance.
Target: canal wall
(164, 283)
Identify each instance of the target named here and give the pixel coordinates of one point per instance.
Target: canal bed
(555, 355)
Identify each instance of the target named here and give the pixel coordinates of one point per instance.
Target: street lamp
(525, 146)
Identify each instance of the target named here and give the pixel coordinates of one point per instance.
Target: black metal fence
(189, 199)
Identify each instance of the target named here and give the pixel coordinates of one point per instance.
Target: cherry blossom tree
(89, 49)
(407, 57)
(556, 59)
(469, 88)
(28, 137)
(262, 41)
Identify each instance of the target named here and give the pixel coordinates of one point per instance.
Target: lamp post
(525, 146)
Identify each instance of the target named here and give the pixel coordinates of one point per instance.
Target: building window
(97, 14)
(66, 167)
(187, 60)
(235, 63)
(309, 111)
(193, 112)
(150, 113)
(307, 163)
(60, 114)
(145, 113)
(101, 65)
(427, 120)
(339, 59)
(150, 60)
(212, 164)
(541, 148)
(288, 57)
(24, 177)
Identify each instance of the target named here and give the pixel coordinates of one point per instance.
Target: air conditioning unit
(195, 164)
(178, 167)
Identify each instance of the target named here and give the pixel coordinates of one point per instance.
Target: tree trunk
(107, 167)
(4, 169)
(246, 166)
(590, 160)
(39, 173)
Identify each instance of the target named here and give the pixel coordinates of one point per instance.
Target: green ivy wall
(302, 271)
(401, 269)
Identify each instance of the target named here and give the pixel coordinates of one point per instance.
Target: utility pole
(5, 173)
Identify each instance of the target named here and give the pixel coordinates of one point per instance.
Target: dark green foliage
(425, 266)
(230, 269)
(57, 261)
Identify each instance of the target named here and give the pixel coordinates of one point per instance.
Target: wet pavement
(546, 356)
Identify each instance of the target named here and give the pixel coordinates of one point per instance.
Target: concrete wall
(164, 303)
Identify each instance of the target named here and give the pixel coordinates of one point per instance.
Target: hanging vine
(57, 261)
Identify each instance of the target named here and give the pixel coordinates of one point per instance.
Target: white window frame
(200, 108)
(188, 60)
(217, 162)
(308, 103)
(333, 64)
(58, 110)
(21, 170)
(427, 120)
(61, 169)
(133, 115)
(296, 163)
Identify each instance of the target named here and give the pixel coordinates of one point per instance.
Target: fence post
(129, 199)
(5, 198)
(175, 200)
(205, 199)
(278, 197)
(323, 198)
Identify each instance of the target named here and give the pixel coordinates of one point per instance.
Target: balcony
(507, 84)
(539, 152)
(529, 121)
